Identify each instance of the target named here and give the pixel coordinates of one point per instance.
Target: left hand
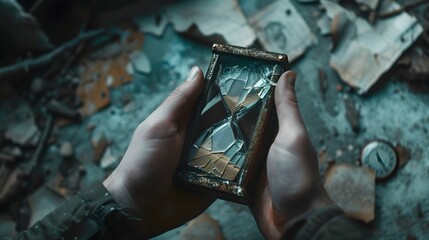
(143, 179)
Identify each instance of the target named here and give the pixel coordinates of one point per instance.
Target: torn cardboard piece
(353, 189)
(280, 28)
(364, 52)
(93, 88)
(210, 18)
(108, 68)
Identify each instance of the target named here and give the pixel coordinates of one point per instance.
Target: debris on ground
(99, 144)
(356, 46)
(10, 179)
(141, 63)
(352, 114)
(323, 82)
(154, 23)
(19, 122)
(353, 189)
(324, 25)
(405, 7)
(23, 133)
(108, 70)
(27, 67)
(9, 154)
(203, 20)
(403, 154)
(93, 89)
(108, 160)
(30, 165)
(202, 227)
(414, 66)
(281, 28)
(61, 110)
(371, 4)
(66, 150)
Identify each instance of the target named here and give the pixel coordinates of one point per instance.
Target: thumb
(177, 108)
(286, 103)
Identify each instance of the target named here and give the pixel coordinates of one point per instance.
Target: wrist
(118, 189)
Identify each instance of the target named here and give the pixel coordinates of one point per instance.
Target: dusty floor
(391, 112)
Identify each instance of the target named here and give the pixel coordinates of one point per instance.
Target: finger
(288, 112)
(180, 104)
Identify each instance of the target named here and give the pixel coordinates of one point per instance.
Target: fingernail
(290, 78)
(193, 73)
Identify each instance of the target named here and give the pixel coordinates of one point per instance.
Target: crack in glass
(221, 150)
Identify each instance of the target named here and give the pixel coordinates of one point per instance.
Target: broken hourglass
(233, 127)
(220, 150)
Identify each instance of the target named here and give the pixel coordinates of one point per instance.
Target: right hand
(291, 185)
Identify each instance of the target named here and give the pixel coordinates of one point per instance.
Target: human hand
(143, 179)
(291, 184)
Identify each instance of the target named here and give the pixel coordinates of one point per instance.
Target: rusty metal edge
(249, 52)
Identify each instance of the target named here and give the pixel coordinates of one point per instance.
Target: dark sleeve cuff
(82, 217)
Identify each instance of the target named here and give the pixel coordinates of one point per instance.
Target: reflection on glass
(220, 150)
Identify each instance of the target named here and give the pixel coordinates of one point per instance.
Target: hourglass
(234, 125)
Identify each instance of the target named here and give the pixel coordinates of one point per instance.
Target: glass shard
(222, 138)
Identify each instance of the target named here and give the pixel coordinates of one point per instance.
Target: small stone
(350, 147)
(38, 86)
(108, 160)
(339, 153)
(66, 150)
(339, 87)
(141, 63)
